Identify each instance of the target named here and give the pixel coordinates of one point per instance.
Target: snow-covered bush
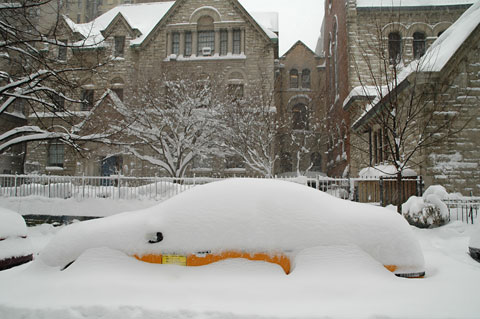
(429, 210)
(474, 244)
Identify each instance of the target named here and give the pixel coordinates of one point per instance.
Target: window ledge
(299, 90)
(207, 58)
(54, 168)
(235, 170)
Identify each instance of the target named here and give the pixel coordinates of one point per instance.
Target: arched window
(206, 36)
(418, 44)
(306, 78)
(299, 117)
(293, 78)
(394, 47)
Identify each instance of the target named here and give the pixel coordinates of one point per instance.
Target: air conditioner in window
(206, 51)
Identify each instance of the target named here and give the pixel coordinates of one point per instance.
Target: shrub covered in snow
(253, 216)
(429, 210)
(15, 247)
(474, 244)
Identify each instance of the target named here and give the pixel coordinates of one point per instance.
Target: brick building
(361, 38)
(208, 37)
(299, 87)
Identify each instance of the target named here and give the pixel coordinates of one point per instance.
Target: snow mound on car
(248, 215)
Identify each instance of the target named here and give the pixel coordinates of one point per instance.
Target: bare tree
(34, 78)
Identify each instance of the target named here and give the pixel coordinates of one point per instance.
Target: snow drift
(249, 215)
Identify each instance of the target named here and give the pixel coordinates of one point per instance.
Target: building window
(394, 47)
(188, 43)
(234, 161)
(223, 42)
(235, 91)
(316, 162)
(286, 162)
(206, 43)
(176, 43)
(119, 46)
(59, 102)
(293, 78)
(236, 41)
(62, 50)
(299, 117)
(87, 99)
(56, 151)
(306, 79)
(418, 44)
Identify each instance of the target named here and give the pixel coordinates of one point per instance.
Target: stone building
(354, 29)
(366, 41)
(185, 37)
(299, 87)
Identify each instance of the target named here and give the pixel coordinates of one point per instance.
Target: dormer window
(119, 49)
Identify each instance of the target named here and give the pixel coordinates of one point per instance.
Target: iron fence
(465, 208)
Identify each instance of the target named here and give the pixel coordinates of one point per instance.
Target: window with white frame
(56, 153)
(223, 42)
(188, 43)
(237, 41)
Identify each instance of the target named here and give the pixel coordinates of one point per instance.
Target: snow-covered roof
(384, 171)
(268, 20)
(410, 3)
(145, 16)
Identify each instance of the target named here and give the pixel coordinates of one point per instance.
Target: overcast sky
(298, 19)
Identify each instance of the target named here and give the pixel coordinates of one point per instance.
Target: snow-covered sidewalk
(327, 282)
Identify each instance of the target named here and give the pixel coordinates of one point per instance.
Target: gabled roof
(146, 17)
(299, 42)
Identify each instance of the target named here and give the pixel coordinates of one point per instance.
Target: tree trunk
(399, 192)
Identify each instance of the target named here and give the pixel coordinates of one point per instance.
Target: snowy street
(326, 281)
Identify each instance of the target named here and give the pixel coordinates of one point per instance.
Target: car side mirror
(156, 238)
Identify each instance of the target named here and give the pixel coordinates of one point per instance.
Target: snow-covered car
(256, 219)
(15, 247)
(474, 245)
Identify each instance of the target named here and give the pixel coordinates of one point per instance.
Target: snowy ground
(327, 282)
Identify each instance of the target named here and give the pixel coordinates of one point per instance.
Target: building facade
(299, 87)
(369, 48)
(184, 38)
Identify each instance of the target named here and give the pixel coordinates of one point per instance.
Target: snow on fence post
(156, 186)
(83, 185)
(119, 186)
(317, 182)
(15, 183)
(380, 184)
